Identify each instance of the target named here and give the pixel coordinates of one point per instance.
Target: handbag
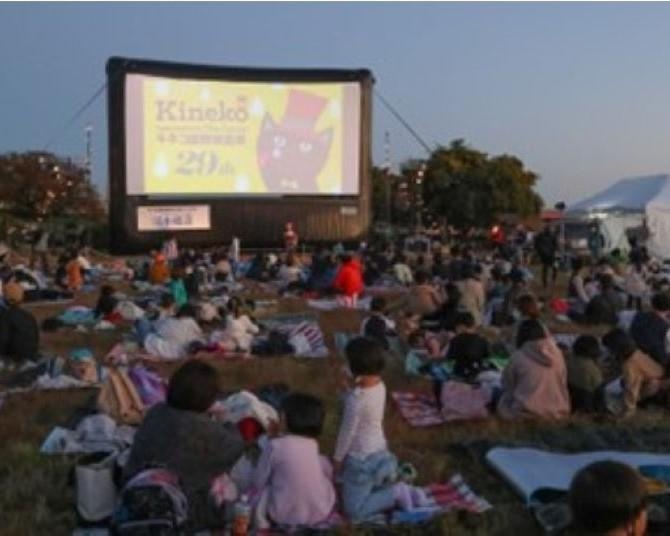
(119, 399)
(95, 487)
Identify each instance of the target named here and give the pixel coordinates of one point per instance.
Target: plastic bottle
(242, 515)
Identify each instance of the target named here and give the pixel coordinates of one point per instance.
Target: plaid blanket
(448, 497)
(307, 338)
(452, 496)
(418, 409)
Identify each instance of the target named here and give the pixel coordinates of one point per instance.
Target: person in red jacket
(349, 280)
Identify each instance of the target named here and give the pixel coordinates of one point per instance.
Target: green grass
(35, 497)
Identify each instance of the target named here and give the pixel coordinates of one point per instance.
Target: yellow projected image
(226, 137)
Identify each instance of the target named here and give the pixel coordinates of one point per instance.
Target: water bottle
(242, 516)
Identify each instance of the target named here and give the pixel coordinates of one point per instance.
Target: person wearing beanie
(19, 333)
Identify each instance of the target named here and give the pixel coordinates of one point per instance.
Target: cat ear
(325, 137)
(268, 123)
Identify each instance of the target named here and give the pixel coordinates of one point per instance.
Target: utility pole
(88, 159)
(419, 195)
(387, 182)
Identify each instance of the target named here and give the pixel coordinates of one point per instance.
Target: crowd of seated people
(448, 299)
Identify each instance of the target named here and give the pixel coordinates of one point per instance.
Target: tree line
(458, 185)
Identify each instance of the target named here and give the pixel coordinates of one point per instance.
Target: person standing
(546, 246)
(349, 281)
(42, 251)
(596, 241)
(171, 251)
(290, 237)
(19, 332)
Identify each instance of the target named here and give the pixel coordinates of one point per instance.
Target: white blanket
(95, 433)
(528, 470)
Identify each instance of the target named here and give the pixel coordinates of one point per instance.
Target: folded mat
(532, 471)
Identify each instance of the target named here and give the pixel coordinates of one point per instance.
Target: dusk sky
(580, 92)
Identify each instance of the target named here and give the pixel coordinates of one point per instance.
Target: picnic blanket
(530, 471)
(303, 333)
(306, 338)
(454, 495)
(417, 365)
(442, 370)
(78, 315)
(330, 304)
(418, 409)
(451, 496)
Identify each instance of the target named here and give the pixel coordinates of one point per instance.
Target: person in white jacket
(239, 326)
(173, 335)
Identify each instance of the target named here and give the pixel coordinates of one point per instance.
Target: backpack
(152, 503)
(119, 399)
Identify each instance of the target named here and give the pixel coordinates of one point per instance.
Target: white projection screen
(241, 138)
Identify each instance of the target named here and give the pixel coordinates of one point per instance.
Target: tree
(469, 188)
(38, 186)
(380, 193)
(385, 189)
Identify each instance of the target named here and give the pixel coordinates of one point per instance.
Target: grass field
(35, 497)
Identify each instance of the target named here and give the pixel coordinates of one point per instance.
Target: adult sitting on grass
(609, 499)
(650, 329)
(468, 350)
(642, 377)
(181, 435)
(604, 307)
(473, 296)
(377, 325)
(535, 380)
(172, 336)
(424, 298)
(19, 333)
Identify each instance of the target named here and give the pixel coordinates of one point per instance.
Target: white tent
(628, 203)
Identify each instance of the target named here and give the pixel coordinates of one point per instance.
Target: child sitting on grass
(294, 480)
(362, 460)
(468, 350)
(609, 499)
(178, 288)
(239, 327)
(378, 325)
(106, 305)
(584, 374)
